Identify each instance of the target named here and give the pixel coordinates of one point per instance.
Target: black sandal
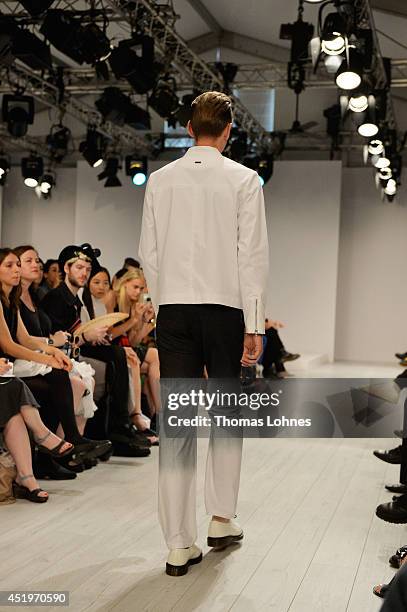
(54, 452)
(22, 492)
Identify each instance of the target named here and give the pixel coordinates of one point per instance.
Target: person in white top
(204, 252)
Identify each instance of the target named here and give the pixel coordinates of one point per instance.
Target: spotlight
(375, 147)
(333, 34)
(58, 141)
(391, 187)
(133, 59)
(110, 173)
(81, 43)
(163, 99)
(47, 183)
(183, 114)
(385, 173)
(92, 148)
(4, 170)
(381, 162)
(116, 107)
(358, 104)
(36, 7)
(18, 113)
(300, 33)
(137, 169)
(31, 50)
(32, 168)
(332, 63)
(265, 168)
(368, 129)
(349, 72)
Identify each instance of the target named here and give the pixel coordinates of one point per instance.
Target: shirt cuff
(254, 315)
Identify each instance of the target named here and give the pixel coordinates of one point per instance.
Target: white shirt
(204, 236)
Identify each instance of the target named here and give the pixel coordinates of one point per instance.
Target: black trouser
(401, 381)
(117, 379)
(273, 349)
(191, 336)
(54, 394)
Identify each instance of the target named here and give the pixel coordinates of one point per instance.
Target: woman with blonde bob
(127, 296)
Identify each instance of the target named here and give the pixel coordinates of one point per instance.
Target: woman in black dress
(19, 410)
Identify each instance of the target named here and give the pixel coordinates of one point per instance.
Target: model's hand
(252, 348)
(5, 366)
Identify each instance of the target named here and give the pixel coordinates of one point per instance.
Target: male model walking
(204, 251)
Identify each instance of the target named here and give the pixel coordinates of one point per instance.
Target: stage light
(81, 43)
(133, 59)
(391, 187)
(332, 63)
(31, 50)
(92, 148)
(164, 100)
(265, 168)
(183, 113)
(381, 162)
(137, 169)
(385, 173)
(18, 113)
(358, 104)
(375, 147)
(110, 173)
(32, 169)
(333, 38)
(47, 183)
(368, 129)
(58, 141)
(36, 7)
(116, 107)
(349, 72)
(4, 170)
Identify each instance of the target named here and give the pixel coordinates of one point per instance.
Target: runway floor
(312, 542)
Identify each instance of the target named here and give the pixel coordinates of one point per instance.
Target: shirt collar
(68, 296)
(199, 150)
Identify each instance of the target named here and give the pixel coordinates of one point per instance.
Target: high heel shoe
(54, 452)
(22, 492)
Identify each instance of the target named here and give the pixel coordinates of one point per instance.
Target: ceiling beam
(206, 15)
(391, 7)
(239, 42)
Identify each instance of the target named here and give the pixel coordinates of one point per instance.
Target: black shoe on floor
(394, 511)
(131, 449)
(52, 471)
(399, 488)
(401, 356)
(286, 356)
(392, 456)
(91, 449)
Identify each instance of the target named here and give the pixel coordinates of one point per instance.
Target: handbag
(8, 474)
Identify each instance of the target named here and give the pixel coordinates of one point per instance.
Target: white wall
(372, 289)
(302, 207)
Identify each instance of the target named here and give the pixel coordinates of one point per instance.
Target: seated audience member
(67, 312)
(97, 298)
(19, 410)
(51, 278)
(129, 289)
(38, 324)
(50, 385)
(397, 561)
(274, 354)
(396, 595)
(129, 265)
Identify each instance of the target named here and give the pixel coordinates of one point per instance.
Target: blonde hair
(119, 287)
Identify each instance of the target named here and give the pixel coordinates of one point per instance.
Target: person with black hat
(67, 312)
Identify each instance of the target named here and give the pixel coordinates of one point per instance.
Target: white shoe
(222, 534)
(179, 560)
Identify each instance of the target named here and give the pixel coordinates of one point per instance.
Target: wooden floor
(312, 542)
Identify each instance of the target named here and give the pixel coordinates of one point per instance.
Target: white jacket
(204, 236)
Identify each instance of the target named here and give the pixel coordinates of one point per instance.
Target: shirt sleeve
(148, 246)
(253, 256)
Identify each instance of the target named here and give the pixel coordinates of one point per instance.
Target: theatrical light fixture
(332, 63)
(116, 107)
(183, 114)
(385, 173)
(137, 169)
(375, 147)
(368, 129)
(110, 173)
(18, 113)
(391, 187)
(333, 38)
(350, 70)
(36, 7)
(32, 169)
(47, 183)
(164, 100)
(31, 50)
(4, 170)
(133, 59)
(358, 104)
(92, 148)
(81, 43)
(381, 162)
(58, 141)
